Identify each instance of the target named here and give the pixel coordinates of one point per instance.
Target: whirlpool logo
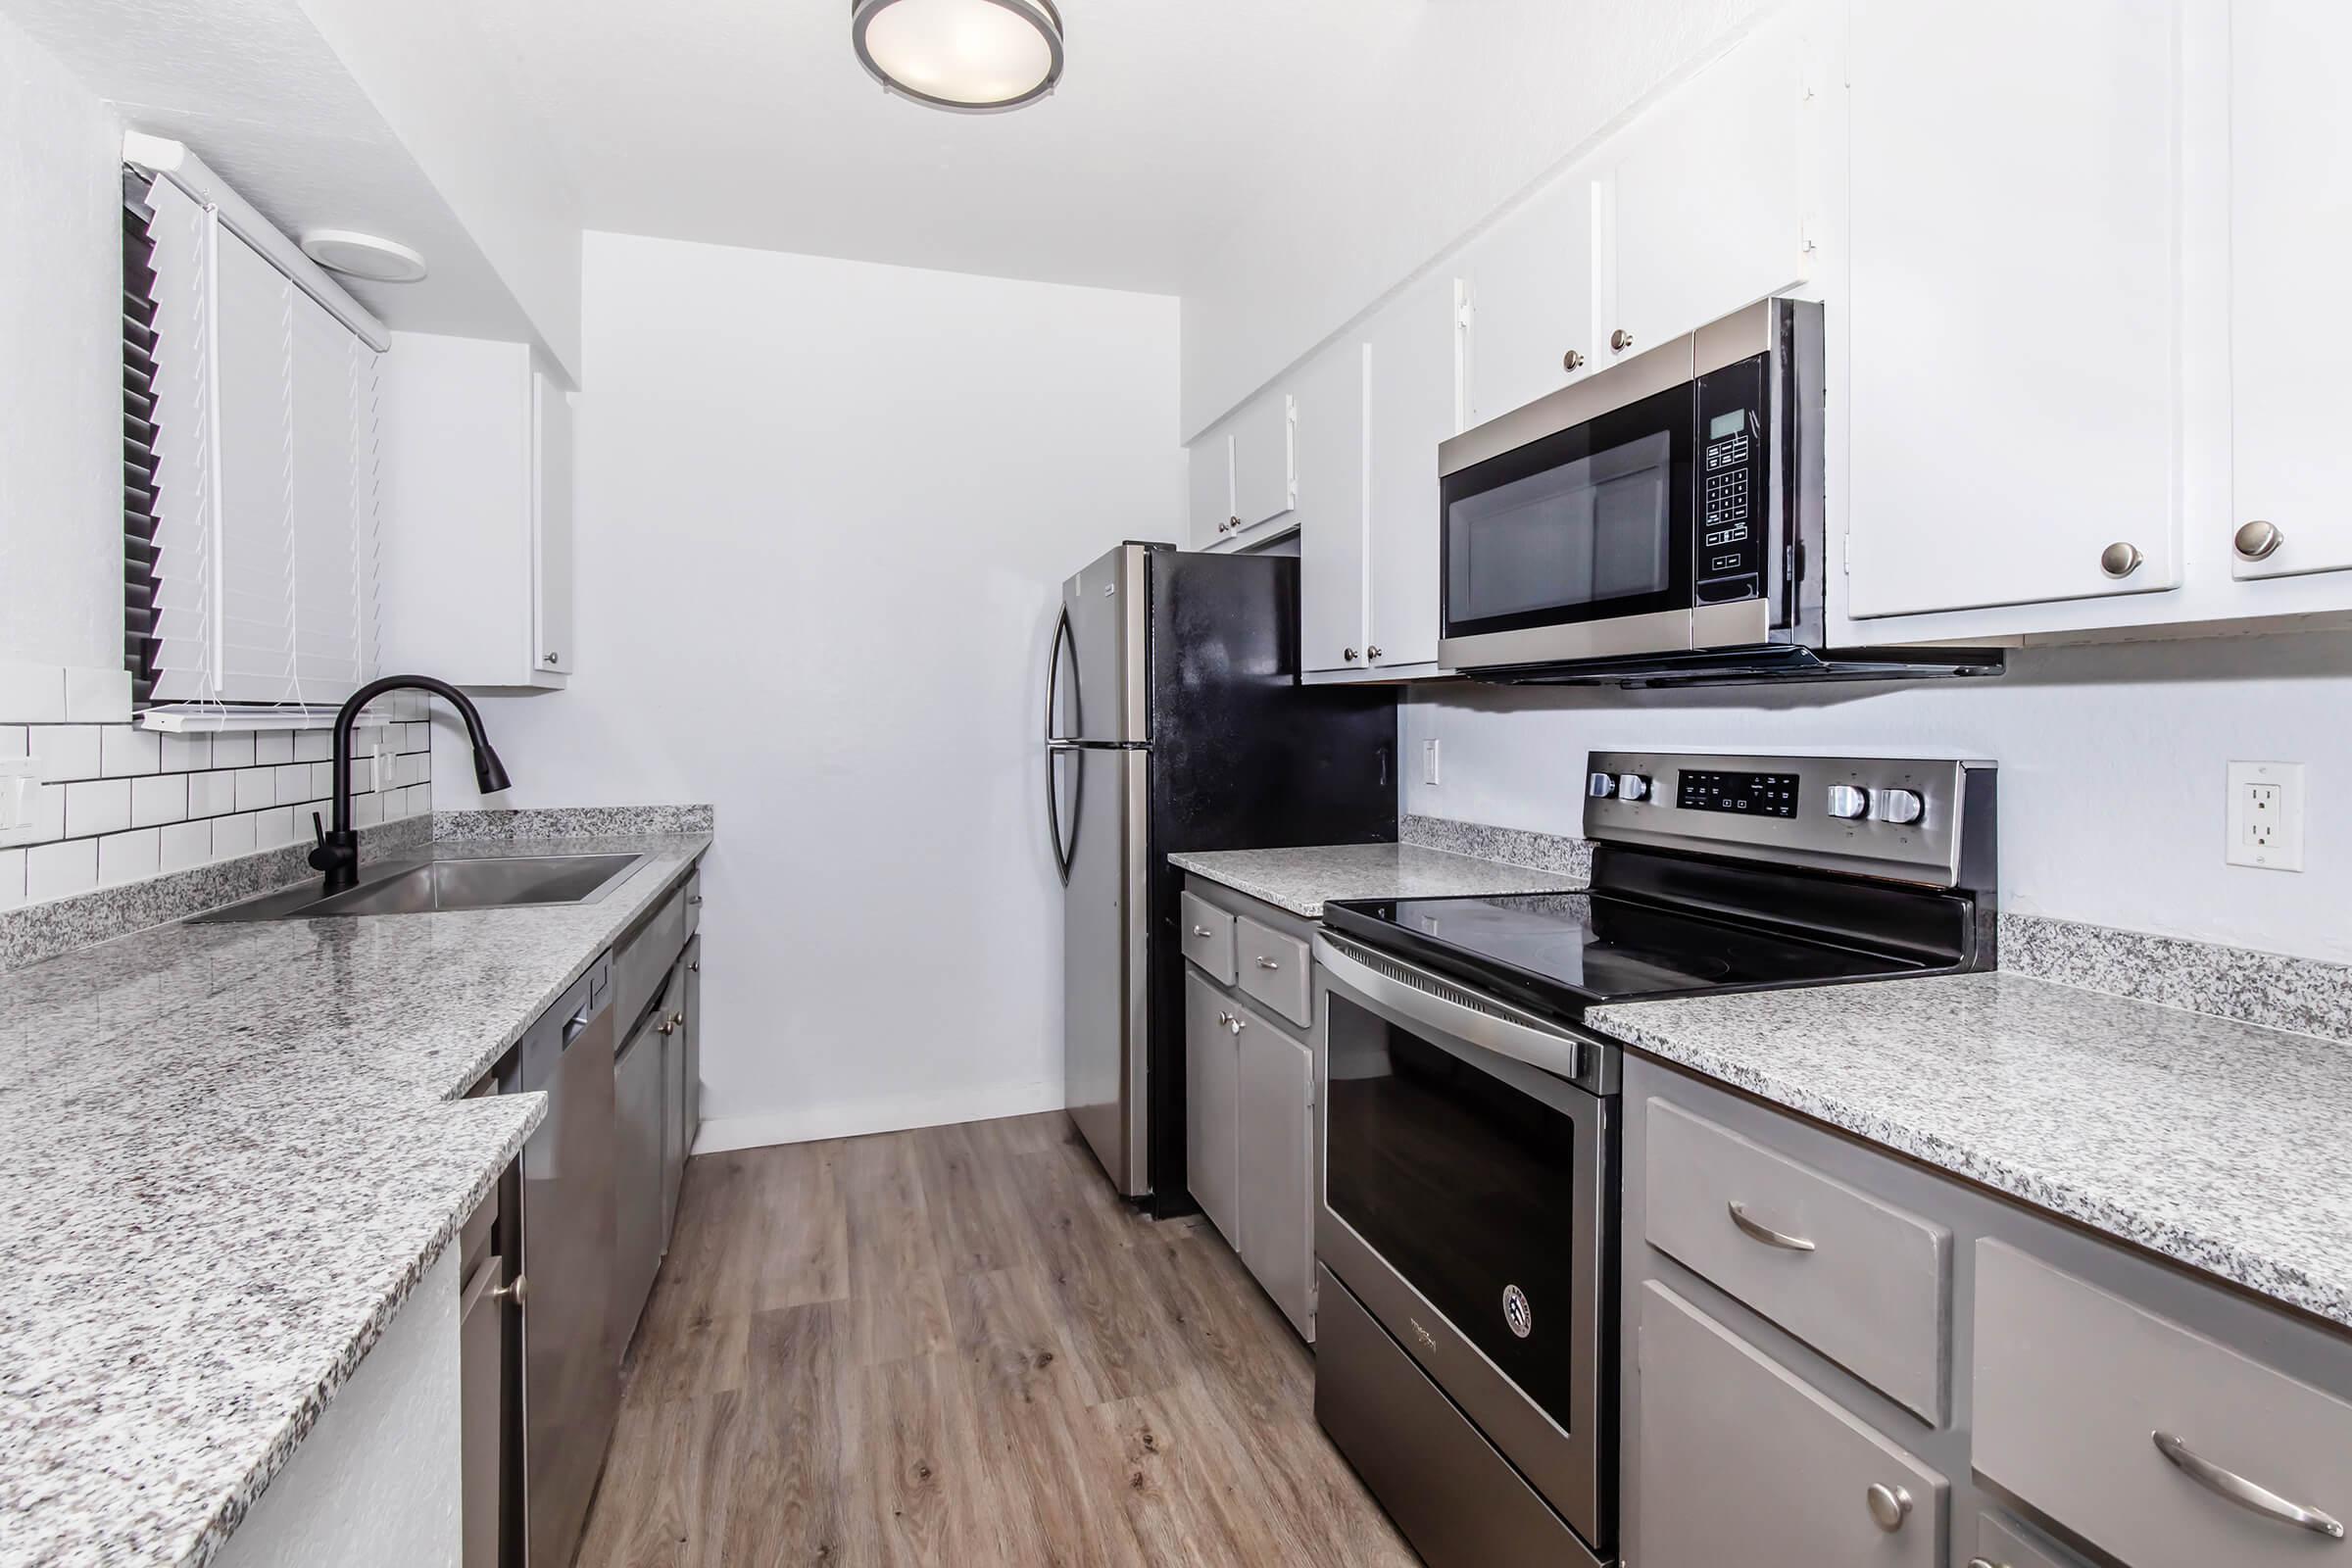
(1516, 1313)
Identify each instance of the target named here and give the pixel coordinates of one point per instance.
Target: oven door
(1466, 1195)
(1577, 545)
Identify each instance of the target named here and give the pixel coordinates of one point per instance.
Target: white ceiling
(253, 88)
(750, 122)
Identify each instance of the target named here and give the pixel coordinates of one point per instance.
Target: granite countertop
(228, 1153)
(2218, 1144)
(1304, 880)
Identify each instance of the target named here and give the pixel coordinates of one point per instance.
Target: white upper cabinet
(1331, 508)
(1703, 199)
(1265, 459)
(2290, 169)
(1531, 329)
(477, 547)
(551, 524)
(2015, 326)
(1415, 354)
(1208, 467)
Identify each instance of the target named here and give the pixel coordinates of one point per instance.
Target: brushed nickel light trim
(1038, 14)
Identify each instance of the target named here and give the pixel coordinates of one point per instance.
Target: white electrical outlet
(1429, 762)
(2266, 816)
(19, 799)
(383, 769)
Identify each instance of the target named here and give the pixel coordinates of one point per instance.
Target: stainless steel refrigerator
(1175, 722)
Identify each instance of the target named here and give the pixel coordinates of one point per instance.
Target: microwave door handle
(1417, 994)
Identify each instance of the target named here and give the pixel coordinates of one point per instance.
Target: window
(250, 469)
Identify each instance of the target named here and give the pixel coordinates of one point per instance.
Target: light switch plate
(2266, 816)
(20, 801)
(1429, 762)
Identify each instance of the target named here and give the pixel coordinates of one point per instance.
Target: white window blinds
(266, 475)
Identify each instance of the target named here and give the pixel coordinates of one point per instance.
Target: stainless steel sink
(419, 885)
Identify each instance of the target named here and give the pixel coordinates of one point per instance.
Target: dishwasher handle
(579, 1023)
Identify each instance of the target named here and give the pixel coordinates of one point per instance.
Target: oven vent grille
(1423, 981)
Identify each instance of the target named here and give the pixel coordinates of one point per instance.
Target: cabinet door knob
(2258, 540)
(1890, 1506)
(1372, 649)
(1985, 1562)
(2121, 559)
(695, 898)
(1572, 360)
(1620, 340)
(1237, 1023)
(1349, 655)
(1199, 930)
(696, 968)
(551, 659)
(1229, 525)
(1265, 962)
(519, 1293)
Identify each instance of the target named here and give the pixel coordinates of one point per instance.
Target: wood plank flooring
(957, 1347)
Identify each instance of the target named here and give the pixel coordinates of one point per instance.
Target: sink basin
(423, 886)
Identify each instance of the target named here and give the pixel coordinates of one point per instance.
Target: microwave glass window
(1594, 529)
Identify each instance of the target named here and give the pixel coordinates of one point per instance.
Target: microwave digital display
(1731, 424)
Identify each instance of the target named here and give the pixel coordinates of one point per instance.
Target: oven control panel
(1908, 819)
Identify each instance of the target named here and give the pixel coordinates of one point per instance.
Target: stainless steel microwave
(1658, 522)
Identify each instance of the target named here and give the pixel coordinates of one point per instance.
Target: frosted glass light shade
(974, 56)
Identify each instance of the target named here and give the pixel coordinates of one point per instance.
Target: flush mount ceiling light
(976, 57)
(367, 256)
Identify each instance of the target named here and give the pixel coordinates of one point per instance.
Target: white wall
(824, 512)
(1479, 103)
(2112, 768)
(61, 359)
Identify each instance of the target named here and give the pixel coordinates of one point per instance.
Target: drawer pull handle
(1267, 963)
(1888, 1506)
(1765, 1232)
(2239, 1490)
(1199, 930)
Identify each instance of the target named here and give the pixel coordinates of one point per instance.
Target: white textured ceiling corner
(262, 97)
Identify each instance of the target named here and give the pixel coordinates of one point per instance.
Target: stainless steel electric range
(1467, 1187)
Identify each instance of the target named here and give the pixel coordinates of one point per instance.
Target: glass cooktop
(1576, 948)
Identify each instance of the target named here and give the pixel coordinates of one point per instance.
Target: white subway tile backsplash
(98, 696)
(119, 803)
(232, 836)
(32, 694)
(186, 753)
(99, 805)
(256, 787)
(123, 750)
(57, 870)
(416, 737)
(183, 845)
(293, 783)
(129, 857)
(159, 798)
(212, 794)
(66, 750)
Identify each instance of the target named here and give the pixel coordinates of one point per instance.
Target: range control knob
(1632, 787)
(1847, 801)
(1895, 806)
(1600, 786)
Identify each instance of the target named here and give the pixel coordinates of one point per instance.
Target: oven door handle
(1411, 992)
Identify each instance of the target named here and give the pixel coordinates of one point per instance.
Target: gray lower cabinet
(637, 1104)
(1745, 1463)
(1249, 1081)
(1212, 1103)
(1276, 1137)
(2047, 1398)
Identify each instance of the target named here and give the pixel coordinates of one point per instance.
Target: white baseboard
(894, 1114)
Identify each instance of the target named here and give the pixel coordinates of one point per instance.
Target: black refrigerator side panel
(1242, 757)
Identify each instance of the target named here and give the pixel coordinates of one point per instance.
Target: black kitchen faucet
(338, 851)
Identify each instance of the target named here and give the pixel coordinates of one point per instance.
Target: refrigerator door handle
(1056, 748)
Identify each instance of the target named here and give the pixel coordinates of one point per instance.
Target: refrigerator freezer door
(1103, 691)
(1105, 990)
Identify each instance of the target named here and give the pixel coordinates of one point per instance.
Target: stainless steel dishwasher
(571, 1382)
